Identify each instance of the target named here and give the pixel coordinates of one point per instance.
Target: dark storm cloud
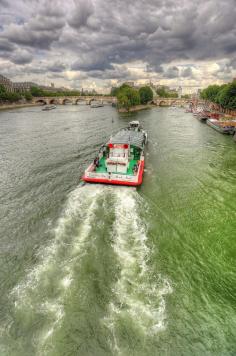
(187, 72)
(157, 33)
(21, 57)
(96, 36)
(171, 72)
(81, 13)
(56, 67)
(6, 46)
(40, 30)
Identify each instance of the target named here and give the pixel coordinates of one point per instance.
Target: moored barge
(225, 127)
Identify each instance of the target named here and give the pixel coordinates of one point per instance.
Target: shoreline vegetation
(130, 99)
(221, 95)
(136, 108)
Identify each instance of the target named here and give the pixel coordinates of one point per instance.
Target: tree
(123, 101)
(127, 96)
(225, 95)
(28, 96)
(114, 91)
(211, 92)
(161, 92)
(36, 91)
(165, 94)
(2, 89)
(145, 94)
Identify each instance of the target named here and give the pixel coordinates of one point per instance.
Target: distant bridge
(176, 101)
(75, 100)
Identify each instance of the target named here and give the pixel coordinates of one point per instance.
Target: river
(107, 270)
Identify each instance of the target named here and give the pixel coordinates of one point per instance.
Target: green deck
(102, 167)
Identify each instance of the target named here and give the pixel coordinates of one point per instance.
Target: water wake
(137, 300)
(46, 287)
(139, 295)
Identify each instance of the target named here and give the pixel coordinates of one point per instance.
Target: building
(22, 87)
(18, 87)
(180, 91)
(6, 83)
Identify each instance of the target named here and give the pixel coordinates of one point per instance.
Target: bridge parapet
(176, 101)
(62, 100)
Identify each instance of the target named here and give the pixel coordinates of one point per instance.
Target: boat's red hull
(117, 181)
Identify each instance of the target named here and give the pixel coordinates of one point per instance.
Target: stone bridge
(75, 100)
(176, 101)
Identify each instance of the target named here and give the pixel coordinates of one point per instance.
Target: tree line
(224, 95)
(128, 96)
(8, 97)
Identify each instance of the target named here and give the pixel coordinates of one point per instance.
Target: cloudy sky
(99, 43)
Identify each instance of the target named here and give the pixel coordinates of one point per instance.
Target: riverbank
(16, 106)
(136, 108)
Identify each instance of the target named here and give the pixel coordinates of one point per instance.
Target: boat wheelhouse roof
(134, 123)
(134, 138)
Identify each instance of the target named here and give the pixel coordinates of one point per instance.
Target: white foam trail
(135, 297)
(81, 207)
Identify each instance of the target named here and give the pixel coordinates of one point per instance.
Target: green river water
(106, 270)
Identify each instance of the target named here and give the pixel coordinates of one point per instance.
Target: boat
(203, 115)
(225, 127)
(121, 160)
(197, 111)
(49, 107)
(96, 105)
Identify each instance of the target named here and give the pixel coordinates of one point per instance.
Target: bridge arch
(67, 101)
(80, 101)
(93, 99)
(53, 101)
(41, 102)
(163, 103)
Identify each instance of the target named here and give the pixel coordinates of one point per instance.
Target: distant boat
(49, 107)
(221, 126)
(203, 115)
(97, 105)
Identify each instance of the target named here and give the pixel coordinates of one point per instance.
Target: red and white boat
(121, 160)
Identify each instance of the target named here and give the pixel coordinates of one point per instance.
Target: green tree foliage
(8, 97)
(210, 93)
(28, 96)
(2, 89)
(114, 91)
(36, 91)
(165, 94)
(123, 101)
(127, 97)
(145, 94)
(225, 95)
